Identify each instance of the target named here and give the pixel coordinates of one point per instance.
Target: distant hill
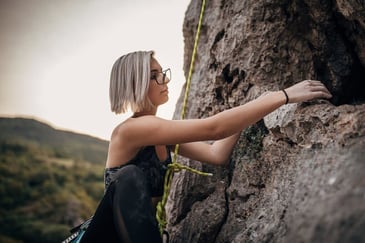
(64, 143)
(50, 180)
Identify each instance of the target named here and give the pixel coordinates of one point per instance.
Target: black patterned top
(148, 161)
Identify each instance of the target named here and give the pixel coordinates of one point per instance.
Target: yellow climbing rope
(174, 166)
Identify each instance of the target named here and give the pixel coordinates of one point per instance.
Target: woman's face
(157, 93)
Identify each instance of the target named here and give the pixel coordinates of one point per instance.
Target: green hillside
(50, 180)
(62, 143)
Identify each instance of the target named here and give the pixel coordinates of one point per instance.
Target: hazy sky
(56, 56)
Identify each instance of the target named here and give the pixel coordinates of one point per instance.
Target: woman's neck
(145, 113)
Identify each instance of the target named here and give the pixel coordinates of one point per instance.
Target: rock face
(297, 175)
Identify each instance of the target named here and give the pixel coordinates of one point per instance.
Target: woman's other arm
(217, 153)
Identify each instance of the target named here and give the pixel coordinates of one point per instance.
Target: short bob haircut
(129, 82)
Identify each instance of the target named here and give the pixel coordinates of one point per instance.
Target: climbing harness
(175, 166)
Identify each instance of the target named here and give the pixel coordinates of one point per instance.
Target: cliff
(295, 176)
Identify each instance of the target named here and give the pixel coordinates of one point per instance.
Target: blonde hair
(129, 82)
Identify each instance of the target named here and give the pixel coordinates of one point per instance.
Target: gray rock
(297, 175)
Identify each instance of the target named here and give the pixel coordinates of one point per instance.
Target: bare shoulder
(135, 127)
(121, 147)
(132, 127)
(118, 131)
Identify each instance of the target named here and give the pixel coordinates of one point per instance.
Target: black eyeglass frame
(164, 75)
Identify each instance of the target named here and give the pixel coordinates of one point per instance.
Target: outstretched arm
(151, 130)
(218, 153)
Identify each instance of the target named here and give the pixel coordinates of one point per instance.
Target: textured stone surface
(297, 175)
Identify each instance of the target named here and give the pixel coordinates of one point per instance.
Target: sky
(56, 57)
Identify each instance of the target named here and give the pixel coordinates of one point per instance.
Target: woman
(139, 148)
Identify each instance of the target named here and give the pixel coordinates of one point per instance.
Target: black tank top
(148, 161)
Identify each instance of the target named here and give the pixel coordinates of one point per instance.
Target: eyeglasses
(161, 79)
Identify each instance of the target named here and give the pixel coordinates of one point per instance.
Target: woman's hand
(307, 90)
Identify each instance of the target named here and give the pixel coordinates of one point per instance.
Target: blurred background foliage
(50, 180)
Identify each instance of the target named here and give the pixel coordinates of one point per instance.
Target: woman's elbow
(218, 158)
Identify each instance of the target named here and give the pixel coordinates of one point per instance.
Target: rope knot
(172, 168)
